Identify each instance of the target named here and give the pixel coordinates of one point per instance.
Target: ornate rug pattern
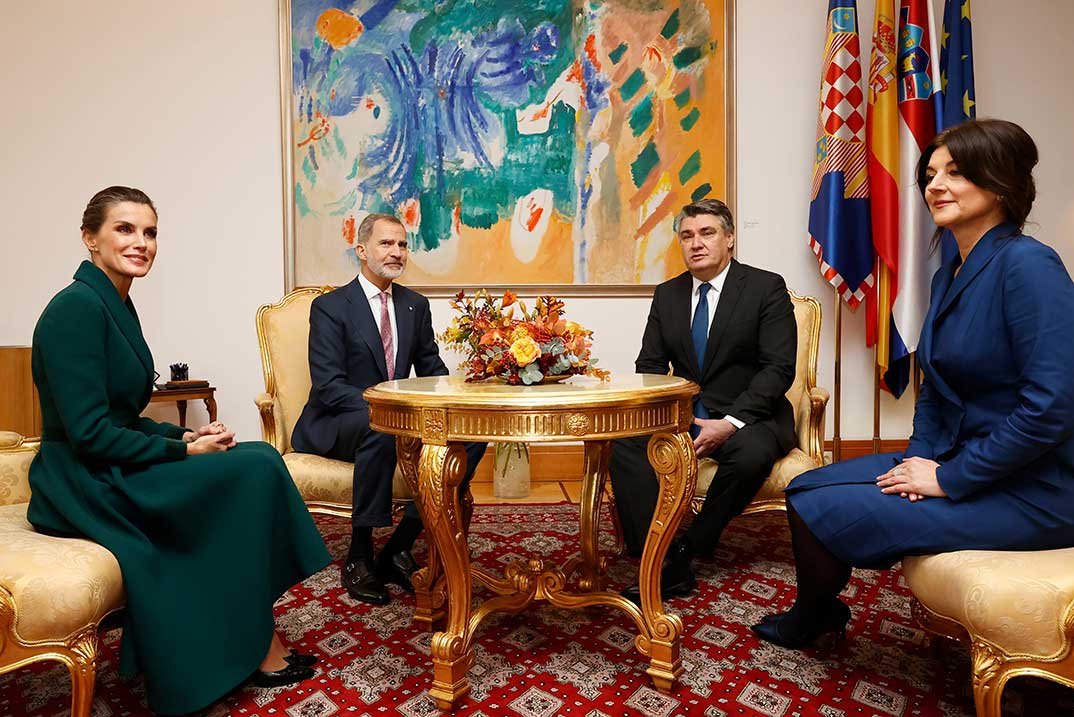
(547, 661)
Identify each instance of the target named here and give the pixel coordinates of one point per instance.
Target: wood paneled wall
(19, 407)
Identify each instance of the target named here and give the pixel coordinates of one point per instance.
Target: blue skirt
(844, 508)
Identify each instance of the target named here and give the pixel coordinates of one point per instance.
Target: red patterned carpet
(548, 662)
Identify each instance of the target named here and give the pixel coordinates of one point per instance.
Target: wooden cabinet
(20, 410)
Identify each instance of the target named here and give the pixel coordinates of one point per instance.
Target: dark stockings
(821, 576)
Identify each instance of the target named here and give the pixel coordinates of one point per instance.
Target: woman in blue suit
(990, 464)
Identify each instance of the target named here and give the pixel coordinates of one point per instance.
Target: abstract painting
(546, 142)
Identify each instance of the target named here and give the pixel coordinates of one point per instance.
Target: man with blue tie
(370, 330)
(729, 328)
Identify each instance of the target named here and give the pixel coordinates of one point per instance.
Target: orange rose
(525, 350)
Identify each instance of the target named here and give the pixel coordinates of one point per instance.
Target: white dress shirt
(715, 293)
(373, 294)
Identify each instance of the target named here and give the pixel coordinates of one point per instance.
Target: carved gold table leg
(429, 588)
(672, 457)
(440, 472)
(595, 473)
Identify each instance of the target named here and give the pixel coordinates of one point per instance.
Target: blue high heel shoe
(796, 631)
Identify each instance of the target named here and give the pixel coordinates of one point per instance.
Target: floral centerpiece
(527, 348)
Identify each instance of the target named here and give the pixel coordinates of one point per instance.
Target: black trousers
(374, 459)
(745, 460)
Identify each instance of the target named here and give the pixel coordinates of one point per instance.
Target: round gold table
(431, 417)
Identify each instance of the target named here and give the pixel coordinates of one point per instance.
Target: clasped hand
(212, 438)
(714, 433)
(914, 479)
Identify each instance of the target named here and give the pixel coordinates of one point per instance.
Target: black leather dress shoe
(676, 579)
(301, 659)
(397, 569)
(363, 584)
(287, 676)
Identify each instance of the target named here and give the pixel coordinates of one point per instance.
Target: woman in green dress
(208, 532)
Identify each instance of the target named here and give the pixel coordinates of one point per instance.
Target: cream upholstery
(15, 468)
(1015, 608)
(283, 335)
(808, 403)
(54, 592)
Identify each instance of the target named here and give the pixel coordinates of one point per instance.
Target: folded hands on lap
(913, 479)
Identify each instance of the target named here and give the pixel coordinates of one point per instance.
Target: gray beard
(385, 273)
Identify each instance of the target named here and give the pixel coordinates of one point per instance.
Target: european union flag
(956, 65)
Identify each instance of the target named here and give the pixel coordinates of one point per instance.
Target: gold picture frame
(340, 28)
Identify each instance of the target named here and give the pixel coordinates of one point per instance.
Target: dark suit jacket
(347, 357)
(751, 350)
(997, 405)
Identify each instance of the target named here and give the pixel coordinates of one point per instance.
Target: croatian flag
(839, 232)
(914, 264)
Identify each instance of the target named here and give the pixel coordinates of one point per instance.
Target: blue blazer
(346, 357)
(996, 407)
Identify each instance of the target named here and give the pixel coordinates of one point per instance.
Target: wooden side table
(432, 417)
(182, 395)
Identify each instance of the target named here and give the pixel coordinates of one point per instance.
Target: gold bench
(1015, 609)
(54, 592)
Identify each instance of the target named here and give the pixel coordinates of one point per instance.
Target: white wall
(182, 100)
(178, 99)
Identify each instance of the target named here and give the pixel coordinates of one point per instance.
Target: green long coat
(206, 543)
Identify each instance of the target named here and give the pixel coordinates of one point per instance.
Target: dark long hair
(994, 154)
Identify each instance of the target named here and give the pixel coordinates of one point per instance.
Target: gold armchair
(54, 592)
(283, 332)
(808, 402)
(1015, 609)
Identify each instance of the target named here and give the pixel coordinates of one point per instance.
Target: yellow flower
(520, 332)
(525, 350)
(573, 329)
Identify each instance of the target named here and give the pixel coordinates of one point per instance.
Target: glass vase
(511, 470)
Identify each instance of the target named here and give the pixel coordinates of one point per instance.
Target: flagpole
(883, 344)
(916, 375)
(876, 408)
(837, 441)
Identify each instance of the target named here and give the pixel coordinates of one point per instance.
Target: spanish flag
(882, 136)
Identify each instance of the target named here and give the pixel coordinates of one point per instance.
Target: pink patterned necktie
(386, 335)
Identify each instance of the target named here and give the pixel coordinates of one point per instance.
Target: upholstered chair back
(16, 454)
(283, 332)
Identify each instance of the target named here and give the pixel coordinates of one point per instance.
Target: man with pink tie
(370, 330)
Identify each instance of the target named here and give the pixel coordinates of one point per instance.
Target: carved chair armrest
(810, 428)
(270, 429)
